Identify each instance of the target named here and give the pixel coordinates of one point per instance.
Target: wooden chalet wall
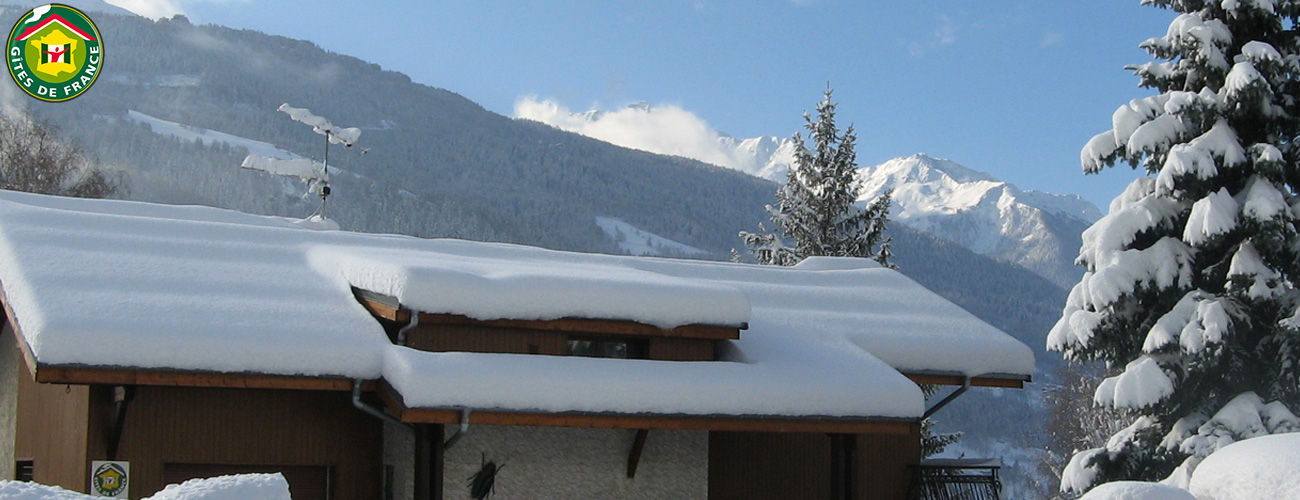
(797, 466)
(62, 428)
(236, 428)
(53, 427)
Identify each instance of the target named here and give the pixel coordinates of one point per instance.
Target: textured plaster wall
(399, 453)
(9, 371)
(547, 463)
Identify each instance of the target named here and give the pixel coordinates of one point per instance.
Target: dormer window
(608, 347)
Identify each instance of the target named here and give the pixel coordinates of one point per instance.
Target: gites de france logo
(55, 52)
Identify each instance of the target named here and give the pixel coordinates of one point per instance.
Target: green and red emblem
(55, 52)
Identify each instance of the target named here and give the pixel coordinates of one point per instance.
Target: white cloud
(152, 9)
(945, 34)
(663, 129)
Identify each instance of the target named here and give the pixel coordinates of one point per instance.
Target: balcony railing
(956, 479)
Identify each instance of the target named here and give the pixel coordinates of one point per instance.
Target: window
(24, 470)
(601, 347)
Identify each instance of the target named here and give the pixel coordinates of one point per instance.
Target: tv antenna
(316, 174)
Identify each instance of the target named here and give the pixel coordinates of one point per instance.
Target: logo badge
(110, 479)
(55, 52)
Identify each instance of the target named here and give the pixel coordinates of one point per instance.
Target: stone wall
(546, 463)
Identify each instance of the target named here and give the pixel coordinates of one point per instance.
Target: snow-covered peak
(1034, 229)
(767, 157)
(924, 186)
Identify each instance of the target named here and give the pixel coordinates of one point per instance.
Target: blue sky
(1014, 88)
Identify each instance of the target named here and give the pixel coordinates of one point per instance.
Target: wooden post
(425, 471)
(843, 466)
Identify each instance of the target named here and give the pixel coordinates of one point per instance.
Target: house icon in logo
(59, 42)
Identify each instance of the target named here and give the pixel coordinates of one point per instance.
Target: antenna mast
(318, 179)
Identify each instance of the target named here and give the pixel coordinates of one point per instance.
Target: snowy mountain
(765, 157)
(1039, 231)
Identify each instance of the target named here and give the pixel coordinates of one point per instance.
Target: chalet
(189, 341)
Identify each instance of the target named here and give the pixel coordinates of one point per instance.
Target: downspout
(401, 334)
(965, 386)
(356, 401)
(464, 429)
(122, 395)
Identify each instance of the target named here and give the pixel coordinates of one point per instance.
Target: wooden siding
(769, 465)
(765, 465)
(443, 337)
(883, 464)
(52, 431)
(237, 427)
(669, 349)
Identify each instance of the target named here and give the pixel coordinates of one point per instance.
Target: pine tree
(815, 207)
(1189, 295)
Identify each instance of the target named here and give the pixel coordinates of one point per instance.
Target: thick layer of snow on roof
(147, 286)
(495, 282)
(119, 284)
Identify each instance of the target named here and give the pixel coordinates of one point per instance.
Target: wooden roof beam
(1005, 381)
(109, 376)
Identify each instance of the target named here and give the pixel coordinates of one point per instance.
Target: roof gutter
(965, 386)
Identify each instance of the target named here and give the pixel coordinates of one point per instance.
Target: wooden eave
(168, 378)
(739, 423)
(999, 380)
(388, 308)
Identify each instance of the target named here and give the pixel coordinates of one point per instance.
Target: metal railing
(956, 479)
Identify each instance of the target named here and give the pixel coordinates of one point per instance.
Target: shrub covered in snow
(1189, 293)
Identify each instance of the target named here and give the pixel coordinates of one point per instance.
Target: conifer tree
(1189, 293)
(814, 209)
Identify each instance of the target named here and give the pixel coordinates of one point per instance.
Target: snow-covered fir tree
(1190, 291)
(814, 209)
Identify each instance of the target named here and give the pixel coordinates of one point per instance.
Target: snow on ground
(1132, 490)
(636, 241)
(240, 487)
(208, 137)
(1256, 468)
(122, 284)
(1252, 469)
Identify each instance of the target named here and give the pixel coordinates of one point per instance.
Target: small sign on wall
(111, 479)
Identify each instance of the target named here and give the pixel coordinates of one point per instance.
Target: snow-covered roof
(142, 286)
